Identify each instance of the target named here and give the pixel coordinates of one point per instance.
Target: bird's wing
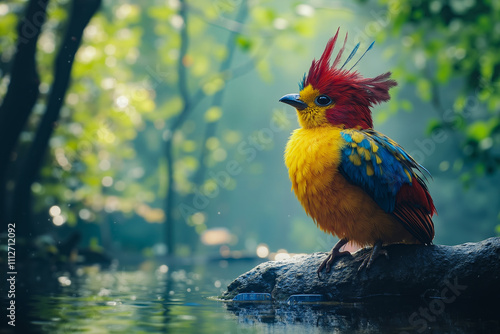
(387, 173)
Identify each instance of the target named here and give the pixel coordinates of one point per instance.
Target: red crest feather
(353, 95)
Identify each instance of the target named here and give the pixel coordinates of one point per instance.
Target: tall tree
(22, 92)
(81, 13)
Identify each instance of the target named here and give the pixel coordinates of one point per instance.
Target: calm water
(158, 298)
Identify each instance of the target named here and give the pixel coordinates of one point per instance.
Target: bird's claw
(370, 257)
(327, 263)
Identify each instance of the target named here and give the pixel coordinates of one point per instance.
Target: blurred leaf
(264, 70)
(263, 16)
(213, 86)
(433, 125)
(161, 13)
(200, 66)
(444, 71)
(189, 146)
(424, 89)
(232, 137)
(406, 105)
(244, 42)
(171, 107)
(213, 114)
(479, 130)
(303, 28)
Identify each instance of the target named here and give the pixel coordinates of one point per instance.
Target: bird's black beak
(294, 101)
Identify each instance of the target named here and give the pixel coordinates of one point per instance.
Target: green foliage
(461, 48)
(449, 50)
(106, 155)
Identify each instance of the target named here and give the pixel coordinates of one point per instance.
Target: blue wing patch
(377, 164)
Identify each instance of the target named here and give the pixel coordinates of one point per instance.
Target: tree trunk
(183, 90)
(81, 13)
(22, 92)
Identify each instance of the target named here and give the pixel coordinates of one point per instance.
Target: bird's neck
(351, 117)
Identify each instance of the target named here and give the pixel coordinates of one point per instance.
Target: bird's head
(332, 95)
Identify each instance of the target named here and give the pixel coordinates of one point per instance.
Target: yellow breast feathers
(312, 156)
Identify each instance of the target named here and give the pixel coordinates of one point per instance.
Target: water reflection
(378, 315)
(156, 298)
(159, 298)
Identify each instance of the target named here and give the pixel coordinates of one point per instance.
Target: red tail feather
(414, 209)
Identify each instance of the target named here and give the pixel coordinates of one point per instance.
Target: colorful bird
(353, 181)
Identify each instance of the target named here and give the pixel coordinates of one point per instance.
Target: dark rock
(462, 272)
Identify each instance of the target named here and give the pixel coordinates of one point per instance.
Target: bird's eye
(323, 100)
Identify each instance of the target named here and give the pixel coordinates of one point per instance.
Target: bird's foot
(370, 257)
(334, 253)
